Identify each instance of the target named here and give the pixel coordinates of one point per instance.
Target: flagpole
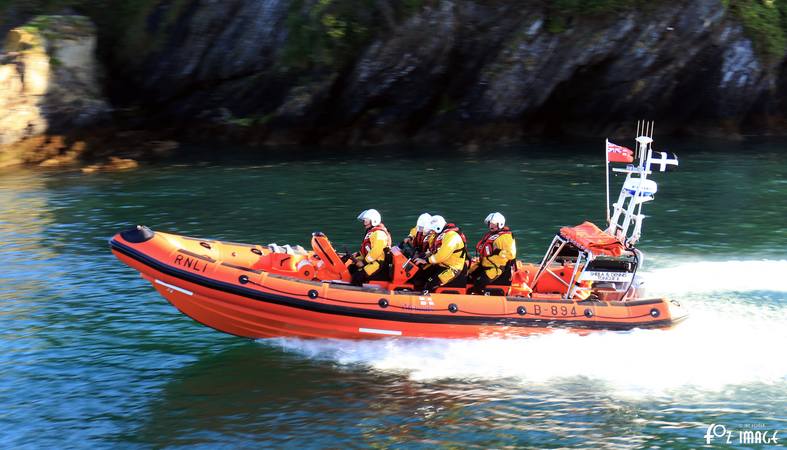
(606, 167)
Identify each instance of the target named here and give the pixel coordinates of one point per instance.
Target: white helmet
(372, 216)
(437, 224)
(495, 218)
(423, 221)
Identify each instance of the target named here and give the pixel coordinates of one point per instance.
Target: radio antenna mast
(637, 189)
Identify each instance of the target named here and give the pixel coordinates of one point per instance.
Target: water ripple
(92, 356)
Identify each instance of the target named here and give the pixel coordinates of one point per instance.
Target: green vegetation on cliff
(765, 21)
(131, 28)
(594, 6)
(326, 32)
(322, 33)
(560, 12)
(122, 24)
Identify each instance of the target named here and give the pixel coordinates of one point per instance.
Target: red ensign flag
(619, 153)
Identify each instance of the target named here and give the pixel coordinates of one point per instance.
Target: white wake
(727, 340)
(717, 276)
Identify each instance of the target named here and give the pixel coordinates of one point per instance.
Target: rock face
(48, 78)
(385, 71)
(378, 71)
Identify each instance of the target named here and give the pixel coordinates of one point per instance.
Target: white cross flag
(663, 160)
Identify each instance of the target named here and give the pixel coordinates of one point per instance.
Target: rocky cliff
(452, 70)
(383, 71)
(48, 79)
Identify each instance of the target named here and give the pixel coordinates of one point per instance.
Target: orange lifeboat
(272, 291)
(587, 279)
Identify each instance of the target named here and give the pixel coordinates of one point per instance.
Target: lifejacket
(419, 240)
(486, 246)
(438, 241)
(366, 245)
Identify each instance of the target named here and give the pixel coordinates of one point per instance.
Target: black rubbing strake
(363, 313)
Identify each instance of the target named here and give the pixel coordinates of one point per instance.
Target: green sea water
(91, 356)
